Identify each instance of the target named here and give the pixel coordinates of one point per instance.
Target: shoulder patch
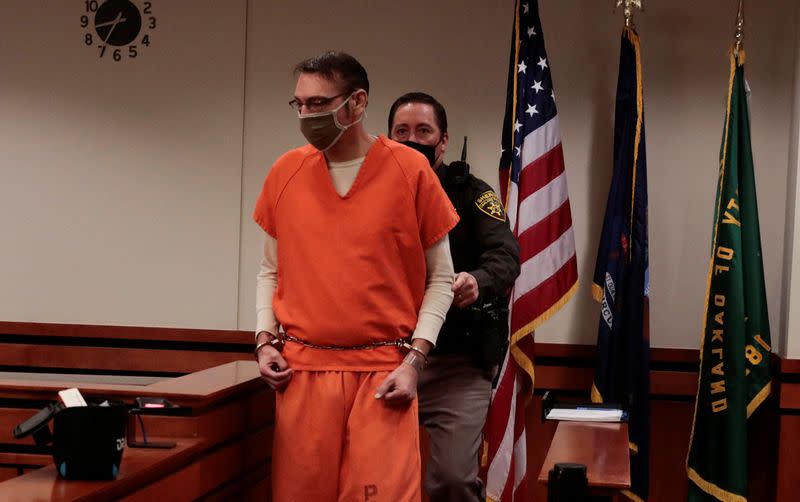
(489, 203)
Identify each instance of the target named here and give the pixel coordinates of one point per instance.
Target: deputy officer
(455, 388)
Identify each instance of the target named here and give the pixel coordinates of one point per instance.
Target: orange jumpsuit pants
(334, 442)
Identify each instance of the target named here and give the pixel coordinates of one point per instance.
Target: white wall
(120, 181)
(790, 301)
(176, 260)
(684, 55)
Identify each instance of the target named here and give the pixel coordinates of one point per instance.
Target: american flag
(534, 187)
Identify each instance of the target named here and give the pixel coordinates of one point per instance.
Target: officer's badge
(489, 203)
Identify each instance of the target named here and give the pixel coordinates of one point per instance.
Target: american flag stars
(542, 63)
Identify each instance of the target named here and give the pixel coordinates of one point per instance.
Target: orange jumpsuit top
(351, 269)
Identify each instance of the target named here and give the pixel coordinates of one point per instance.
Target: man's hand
(465, 290)
(400, 387)
(273, 367)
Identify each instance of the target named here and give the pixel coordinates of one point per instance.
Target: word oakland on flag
(534, 187)
(735, 344)
(621, 276)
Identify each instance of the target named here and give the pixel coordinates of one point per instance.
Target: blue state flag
(621, 277)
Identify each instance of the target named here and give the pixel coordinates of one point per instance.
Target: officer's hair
(336, 65)
(420, 97)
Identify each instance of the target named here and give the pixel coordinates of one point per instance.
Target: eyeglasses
(314, 105)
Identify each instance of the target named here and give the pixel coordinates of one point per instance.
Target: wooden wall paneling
(111, 358)
(788, 482)
(790, 395)
(7, 472)
(164, 426)
(260, 408)
(253, 486)
(25, 460)
(673, 383)
(139, 467)
(563, 378)
(258, 491)
(762, 451)
(670, 427)
(566, 369)
(787, 486)
(539, 437)
(203, 475)
(10, 418)
(125, 332)
(569, 370)
(258, 447)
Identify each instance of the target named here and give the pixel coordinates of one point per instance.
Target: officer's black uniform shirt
(481, 244)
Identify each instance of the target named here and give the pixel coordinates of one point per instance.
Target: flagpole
(627, 10)
(739, 36)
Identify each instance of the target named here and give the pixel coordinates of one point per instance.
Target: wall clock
(117, 29)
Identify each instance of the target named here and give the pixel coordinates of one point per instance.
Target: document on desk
(586, 414)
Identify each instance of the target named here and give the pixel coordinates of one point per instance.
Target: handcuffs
(415, 357)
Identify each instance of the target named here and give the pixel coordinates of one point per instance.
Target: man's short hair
(336, 65)
(420, 97)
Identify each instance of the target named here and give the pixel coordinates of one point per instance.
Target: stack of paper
(579, 414)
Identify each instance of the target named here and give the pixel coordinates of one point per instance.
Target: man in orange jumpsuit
(357, 271)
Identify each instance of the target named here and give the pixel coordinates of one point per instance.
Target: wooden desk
(601, 447)
(138, 467)
(223, 432)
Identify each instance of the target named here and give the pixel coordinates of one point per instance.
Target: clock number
(147, 7)
(117, 55)
(146, 40)
(132, 51)
(152, 23)
(91, 5)
(88, 39)
(84, 21)
(102, 50)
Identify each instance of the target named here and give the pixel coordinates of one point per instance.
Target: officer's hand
(400, 387)
(465, 290)
(274, 368)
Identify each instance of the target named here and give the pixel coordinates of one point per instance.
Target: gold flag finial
(739, 29)
(628, 6)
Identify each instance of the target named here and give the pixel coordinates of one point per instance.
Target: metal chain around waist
(399, 343)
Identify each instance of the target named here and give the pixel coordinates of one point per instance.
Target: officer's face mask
(429, 151)
(323, 129)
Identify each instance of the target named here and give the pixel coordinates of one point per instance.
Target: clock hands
(114, 23)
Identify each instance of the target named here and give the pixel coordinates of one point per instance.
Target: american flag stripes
(534, 188)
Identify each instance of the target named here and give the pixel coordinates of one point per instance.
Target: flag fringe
(524, 363)
(596, 396)
(720, 191)
(632, 496)
(597, 292)
(547, 314)
(740, 57)
(712, 489)
(758, 399)
(633, 37)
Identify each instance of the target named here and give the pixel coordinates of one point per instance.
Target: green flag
(735, 344)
